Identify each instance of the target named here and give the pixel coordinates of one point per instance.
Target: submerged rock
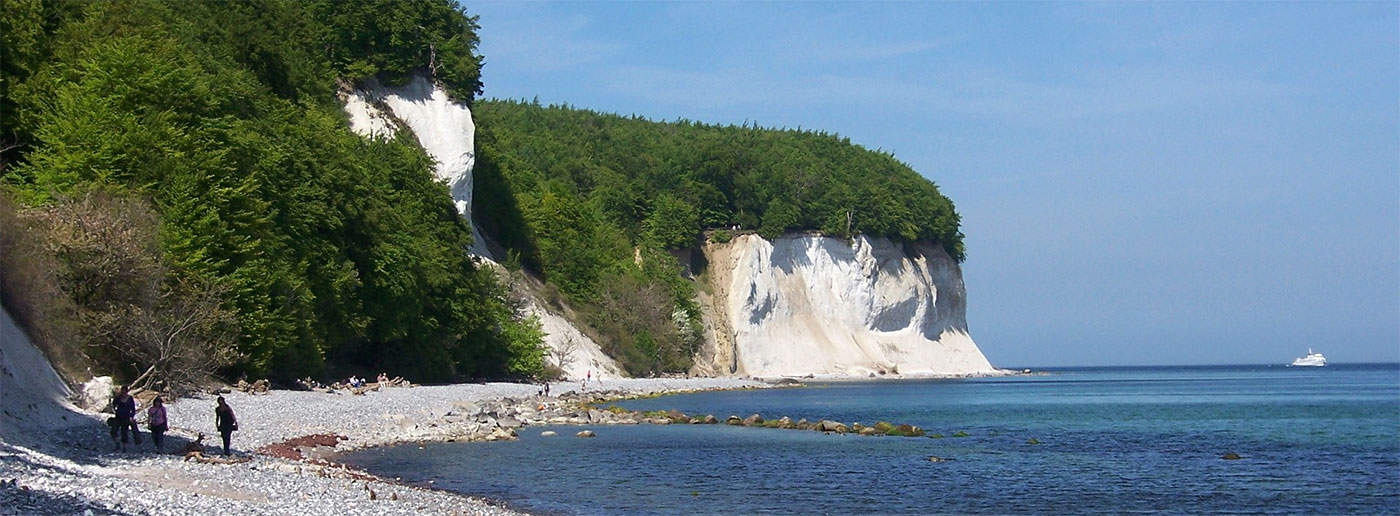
(586, 433)
(733, 420)
(1230, 456)
(753, 420)
(548, 433)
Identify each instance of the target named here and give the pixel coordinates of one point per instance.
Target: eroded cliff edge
(809, 304)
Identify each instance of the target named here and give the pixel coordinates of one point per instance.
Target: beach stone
(509, 422)
(906, 430)
(827, 425)
(96, 394)
(710, 419)
(802, 424)
(466, 408)
(883, 426)
(596, 415)
(869, 431)
(857, 427)
(733, 420)
(548, 433)
(753, 420)
(501, 434)
(586, 433)
(938, 459)
(786, 422)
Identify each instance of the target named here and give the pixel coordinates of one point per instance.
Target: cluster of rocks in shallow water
(829, 426)
(502, 418)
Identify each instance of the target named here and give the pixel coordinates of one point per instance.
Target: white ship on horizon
(1309, 360)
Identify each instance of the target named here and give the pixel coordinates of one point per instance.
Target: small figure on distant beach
(383, 379)
(225, 422)
(156, 423)
(124, 406)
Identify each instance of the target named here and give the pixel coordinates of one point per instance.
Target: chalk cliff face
(808, 304)
(446, 131)
(444, 128)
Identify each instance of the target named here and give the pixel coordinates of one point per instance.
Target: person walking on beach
(225, 422)
(155, 422)
(125, 408)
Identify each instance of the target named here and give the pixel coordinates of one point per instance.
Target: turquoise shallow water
(1112, 440)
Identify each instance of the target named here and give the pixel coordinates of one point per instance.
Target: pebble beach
(71, 468)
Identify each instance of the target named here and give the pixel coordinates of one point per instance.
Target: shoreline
(73, 468)
(289, 443)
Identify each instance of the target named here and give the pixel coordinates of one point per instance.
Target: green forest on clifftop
(181, 173)
(329, 253)
(575, 195)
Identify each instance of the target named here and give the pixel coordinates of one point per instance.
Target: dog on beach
(194, 450)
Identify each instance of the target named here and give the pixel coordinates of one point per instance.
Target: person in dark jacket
(225, 422)
(125, 408)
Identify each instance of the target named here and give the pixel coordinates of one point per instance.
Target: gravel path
(72, 470)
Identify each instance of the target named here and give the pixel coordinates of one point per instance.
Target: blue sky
(1140, 183)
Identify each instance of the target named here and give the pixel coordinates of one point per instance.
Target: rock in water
(733, 420)
(1230, 456)
(753, 420)
(827, 425)
(548, 433)
(586, 433)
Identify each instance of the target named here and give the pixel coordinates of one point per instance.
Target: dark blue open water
(1113, 440)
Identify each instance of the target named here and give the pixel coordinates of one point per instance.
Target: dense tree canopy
(662, 183)
(593, 202)
(335, 252)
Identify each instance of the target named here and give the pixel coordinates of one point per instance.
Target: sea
(1059, 441)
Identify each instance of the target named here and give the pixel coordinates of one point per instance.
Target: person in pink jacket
(155, 421)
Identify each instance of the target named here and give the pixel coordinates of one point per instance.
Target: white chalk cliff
(443, 127)
(445, 130)
(807, 304)
(34, 397)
